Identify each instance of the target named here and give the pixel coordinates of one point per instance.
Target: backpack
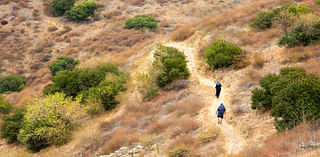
(221, 109)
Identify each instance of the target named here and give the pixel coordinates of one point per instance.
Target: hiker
(220, 112)
(218, 89)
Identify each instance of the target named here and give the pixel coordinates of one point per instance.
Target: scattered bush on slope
(170, 64)
(63, 63)
(140, 22)
(59, 7)
(221, 54)
(12, 83)
(49, 121)
(5, 106)
(266, 19)
(292, 96)
(11, 125)
(82, 11)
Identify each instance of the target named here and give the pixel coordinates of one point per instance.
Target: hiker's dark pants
(218, 90)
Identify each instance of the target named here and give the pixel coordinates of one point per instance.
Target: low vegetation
(59, 7)
(81, 11)
(302, 34)
(63, 63)
(141, 22)
(49, 121)
(221, 54)
(288, 12)
(291, 96)
(100, 84)
(317, 2)
(5, 106)
(169, 64)
(11, 125)
(12, 83)
(147, 87)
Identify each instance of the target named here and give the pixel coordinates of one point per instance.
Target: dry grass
(258, 62)
(209, 135)
(183, 33)
(289, 143)
(121, 137)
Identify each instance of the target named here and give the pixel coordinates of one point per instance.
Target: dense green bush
(82, 11)
(171, 65)
(140, 22)
(12, 83)
(5, 106)
(106, 91)
(59, 7)
(292, 96)
(301, 34)
(73, 82)
(63, 63)
(263, 21)
(221, 53)
(49, 121)
(11, 125)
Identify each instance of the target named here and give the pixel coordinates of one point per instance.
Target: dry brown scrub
(289, 143)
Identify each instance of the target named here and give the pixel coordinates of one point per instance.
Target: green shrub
(82, 11)
(49, 121)
(221, 53)
(301, 34)
(12, 83)
(5, 106)
(292, 96)
(147, 87)
(170, 65)
(11, 125)
(63, 63)
(73, 82)
(59, 7)
(263, 21)
(107, 90)
(317, 2)
(140, 22)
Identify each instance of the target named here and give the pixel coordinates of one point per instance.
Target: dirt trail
(234, 141)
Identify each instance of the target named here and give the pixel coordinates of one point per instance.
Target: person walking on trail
(218, 89)
(220, 112)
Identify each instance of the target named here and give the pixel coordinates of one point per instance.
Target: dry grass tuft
(209, 135)
(121, 137)
(258, 62)
(183, 33)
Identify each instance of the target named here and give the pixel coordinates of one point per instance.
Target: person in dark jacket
(221, 111)
(218, 89)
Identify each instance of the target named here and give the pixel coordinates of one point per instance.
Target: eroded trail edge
(234, 141)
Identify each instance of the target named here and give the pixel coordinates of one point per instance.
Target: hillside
(181, 118)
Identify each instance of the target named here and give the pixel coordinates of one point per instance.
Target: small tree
(59, 7)
(49, 121)
(63, 63)
(140, 22)
(82, 11)
(12, 83)
(221, 53)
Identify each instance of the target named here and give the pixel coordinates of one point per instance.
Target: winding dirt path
(234, 141)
